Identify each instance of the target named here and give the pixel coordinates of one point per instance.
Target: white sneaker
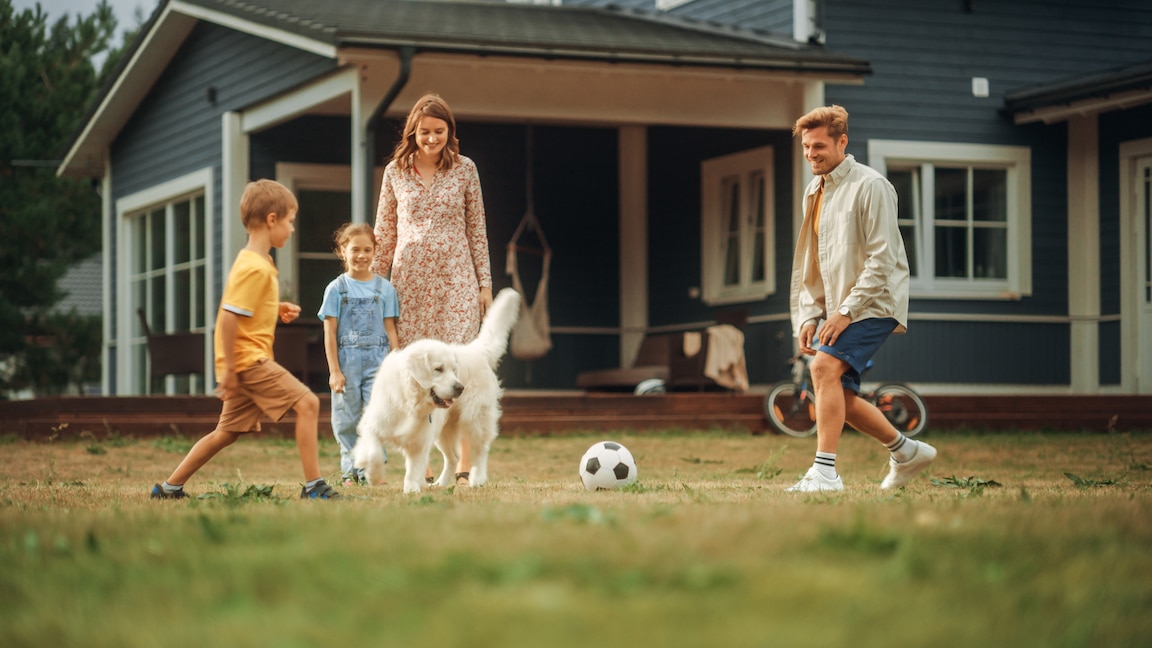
(900, 474)
(814, 482)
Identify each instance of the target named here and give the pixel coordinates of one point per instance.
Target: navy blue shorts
(856, 346)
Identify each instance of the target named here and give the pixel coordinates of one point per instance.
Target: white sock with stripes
(902, 448)
(825, 464)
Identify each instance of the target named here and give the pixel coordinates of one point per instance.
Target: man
(851, 271)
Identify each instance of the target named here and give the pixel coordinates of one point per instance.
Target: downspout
(406, 53)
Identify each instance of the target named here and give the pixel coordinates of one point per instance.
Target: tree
(47, 82)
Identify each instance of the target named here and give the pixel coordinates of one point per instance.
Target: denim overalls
(361, 344)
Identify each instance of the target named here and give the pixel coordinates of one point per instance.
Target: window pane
(139, 299)
(320, 213)
(158, 230)
(157, 318)
(182, 284)
(951, 194)
(731, 193)
(759, 234)
(198, 318)
(198, 227)
(314, 277)
(139, 251)
(182, 236)
(907, 206)
(951, 251)
(990, 252)
(909, 236)
(990, 195)
(139, 367)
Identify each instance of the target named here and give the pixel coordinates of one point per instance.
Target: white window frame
(319, 177)
(713, 235)
(1017, 162)
(129, 207)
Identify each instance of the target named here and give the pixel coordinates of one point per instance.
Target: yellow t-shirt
(253, 293)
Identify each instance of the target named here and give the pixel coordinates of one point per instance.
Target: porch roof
(559, 32)
(1113, 89)
(595, 35)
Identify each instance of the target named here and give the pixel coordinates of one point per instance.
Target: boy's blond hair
(263, 197)
(834, 117)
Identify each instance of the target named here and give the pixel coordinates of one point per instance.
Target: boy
(250, 381)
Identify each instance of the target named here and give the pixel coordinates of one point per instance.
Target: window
(308, 262)
(167, 279)
(965, 214)
(737, 223)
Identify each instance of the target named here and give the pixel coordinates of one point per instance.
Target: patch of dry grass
(995, 545)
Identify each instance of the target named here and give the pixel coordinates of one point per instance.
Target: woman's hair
(430, 105)
(346, 232)
(834, 117)
(263, 197)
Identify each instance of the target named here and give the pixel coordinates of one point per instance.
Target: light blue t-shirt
(389, 302)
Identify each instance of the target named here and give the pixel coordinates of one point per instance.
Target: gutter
(406, 54)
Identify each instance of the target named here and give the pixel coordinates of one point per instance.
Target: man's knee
(827, 368)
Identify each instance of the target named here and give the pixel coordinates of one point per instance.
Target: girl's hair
(834, 117)
(346, 232)
(430, 105)
(263, 197)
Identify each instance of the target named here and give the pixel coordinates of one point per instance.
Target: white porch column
(1084, 253)
(633, 240)
(360, 161)
(234, 177)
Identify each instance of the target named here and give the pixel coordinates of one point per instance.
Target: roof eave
(831, 66)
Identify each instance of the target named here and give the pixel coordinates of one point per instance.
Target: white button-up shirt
(857, 259)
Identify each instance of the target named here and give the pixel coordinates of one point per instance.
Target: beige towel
(725, 362)
(692, 342)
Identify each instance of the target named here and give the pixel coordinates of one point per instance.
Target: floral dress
(434, 242)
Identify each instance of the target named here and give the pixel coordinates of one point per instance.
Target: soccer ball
(607, 465)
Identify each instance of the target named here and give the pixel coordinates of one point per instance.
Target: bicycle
(790, 406)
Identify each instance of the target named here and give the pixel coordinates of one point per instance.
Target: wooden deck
(558, 413)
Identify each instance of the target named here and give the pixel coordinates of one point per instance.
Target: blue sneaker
(158, 492)
(319, 491)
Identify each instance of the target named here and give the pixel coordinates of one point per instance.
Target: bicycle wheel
(902, 406)
(790, 410)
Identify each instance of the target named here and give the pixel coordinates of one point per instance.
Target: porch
(560, 412)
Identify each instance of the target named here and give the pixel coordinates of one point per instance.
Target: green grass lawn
(1009, 539)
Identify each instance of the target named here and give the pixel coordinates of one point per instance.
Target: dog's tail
(498, 323)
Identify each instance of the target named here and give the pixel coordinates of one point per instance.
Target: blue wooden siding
(924, 55)
(176, 129)
(674, 256)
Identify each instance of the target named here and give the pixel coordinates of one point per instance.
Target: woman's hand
(485, 301)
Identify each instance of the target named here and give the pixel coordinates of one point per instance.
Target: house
(1018, 135)
(655, 138)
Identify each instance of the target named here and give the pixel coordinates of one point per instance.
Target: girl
(359, 314)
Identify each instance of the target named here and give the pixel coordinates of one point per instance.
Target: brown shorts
(266, 388)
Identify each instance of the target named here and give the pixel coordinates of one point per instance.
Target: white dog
(430, 393)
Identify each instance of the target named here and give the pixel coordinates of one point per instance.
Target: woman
(431, 235)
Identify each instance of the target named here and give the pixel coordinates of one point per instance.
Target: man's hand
(806, 335)
(833, 327)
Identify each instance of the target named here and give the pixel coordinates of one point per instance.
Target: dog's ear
(420, 367)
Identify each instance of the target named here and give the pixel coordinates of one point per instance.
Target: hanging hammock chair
(532, 335)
